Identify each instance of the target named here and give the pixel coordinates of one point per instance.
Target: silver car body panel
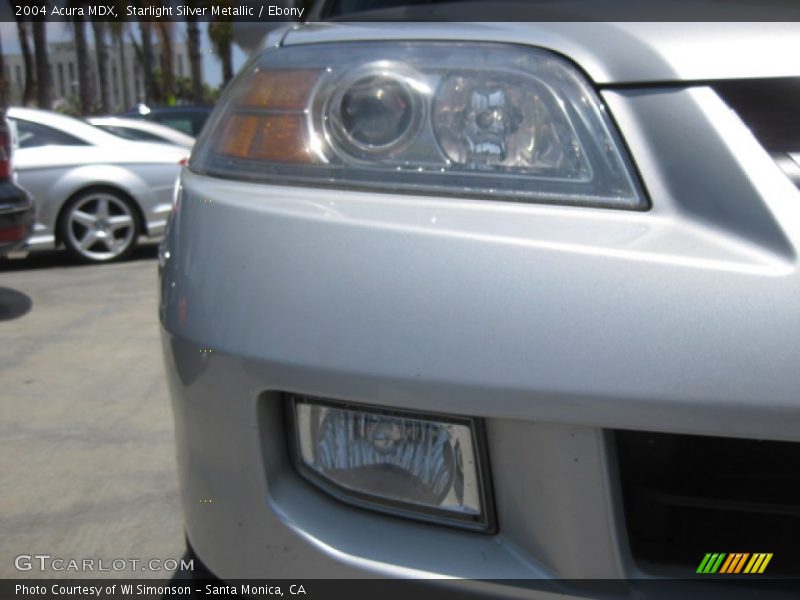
(143, 171)
(552, 323)
(611, 52)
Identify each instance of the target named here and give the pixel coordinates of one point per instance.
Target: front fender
(83, 177)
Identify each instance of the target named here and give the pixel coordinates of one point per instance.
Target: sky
(62, 32)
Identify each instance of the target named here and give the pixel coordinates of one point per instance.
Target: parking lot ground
(86, 436)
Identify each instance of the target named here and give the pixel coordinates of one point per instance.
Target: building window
(71, 69)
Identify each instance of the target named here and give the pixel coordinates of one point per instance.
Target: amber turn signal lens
(271, 126)
(280, 90)
(278, 138)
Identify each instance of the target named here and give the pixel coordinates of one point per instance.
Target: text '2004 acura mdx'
(492, 300)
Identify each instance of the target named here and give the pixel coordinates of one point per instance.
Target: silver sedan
(95, 192)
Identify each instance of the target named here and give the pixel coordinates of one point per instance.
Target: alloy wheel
(100, 227)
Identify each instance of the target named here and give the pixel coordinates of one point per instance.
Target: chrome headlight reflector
(374, 113)
(487, 120)
(420, 466)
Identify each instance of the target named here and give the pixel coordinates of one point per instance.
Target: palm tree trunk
(117, 28)
(221, 35)
(101, 52)
(119, 40)
(227, 65)
(44, 91)
(4, 87)
(147, 62)
(167, 70)
(29, 89)
(82, 50)
(195, 59)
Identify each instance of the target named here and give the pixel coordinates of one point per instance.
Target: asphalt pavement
(86, 435)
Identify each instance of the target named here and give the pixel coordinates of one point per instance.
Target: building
(63, 60)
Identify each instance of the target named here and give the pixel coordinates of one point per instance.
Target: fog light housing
(414, 465)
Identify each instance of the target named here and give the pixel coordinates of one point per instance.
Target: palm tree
(221, 35)
(195, 59)
(101, 51)
(164, 29)
(82, 50)
(29, 89)
(3, 82)
(146, 60)
(118, 35)
(44, 91)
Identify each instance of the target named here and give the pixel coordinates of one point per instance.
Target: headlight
(414, 465)
(484, 120)
(374, 114)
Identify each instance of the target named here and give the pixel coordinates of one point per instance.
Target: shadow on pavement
(198, 575)
(199, 571)
(13, 304)
(49, 259)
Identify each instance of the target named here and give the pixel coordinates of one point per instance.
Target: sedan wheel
(99, 226)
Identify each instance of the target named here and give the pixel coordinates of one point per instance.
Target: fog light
(415, 465)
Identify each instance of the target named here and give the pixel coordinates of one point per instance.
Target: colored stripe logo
(734, 563)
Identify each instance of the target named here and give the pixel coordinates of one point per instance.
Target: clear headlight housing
(421, 466)
(486, 120)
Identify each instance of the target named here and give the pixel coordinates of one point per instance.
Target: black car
(16, 206)
(187, 119)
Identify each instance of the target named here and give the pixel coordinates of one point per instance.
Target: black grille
(771, 109)
(688, 495)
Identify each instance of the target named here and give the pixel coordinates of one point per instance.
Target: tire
(99, 225)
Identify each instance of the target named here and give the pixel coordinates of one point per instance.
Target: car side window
(198, 122)
(132, 134)
(144, 136)
(34, 135)
(182, 124)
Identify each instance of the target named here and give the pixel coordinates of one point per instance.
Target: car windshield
(489, 10)
(340, 8)
(337, 8)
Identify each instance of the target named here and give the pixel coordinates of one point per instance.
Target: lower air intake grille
(771, 109)
(685, 496)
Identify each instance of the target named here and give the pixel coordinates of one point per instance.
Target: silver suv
(493, 300)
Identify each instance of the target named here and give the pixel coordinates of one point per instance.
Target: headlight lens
(487, 120)
(409, 464)
(504, 121)
(373, 116)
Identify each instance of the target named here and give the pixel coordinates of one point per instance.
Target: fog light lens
(421, 466)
